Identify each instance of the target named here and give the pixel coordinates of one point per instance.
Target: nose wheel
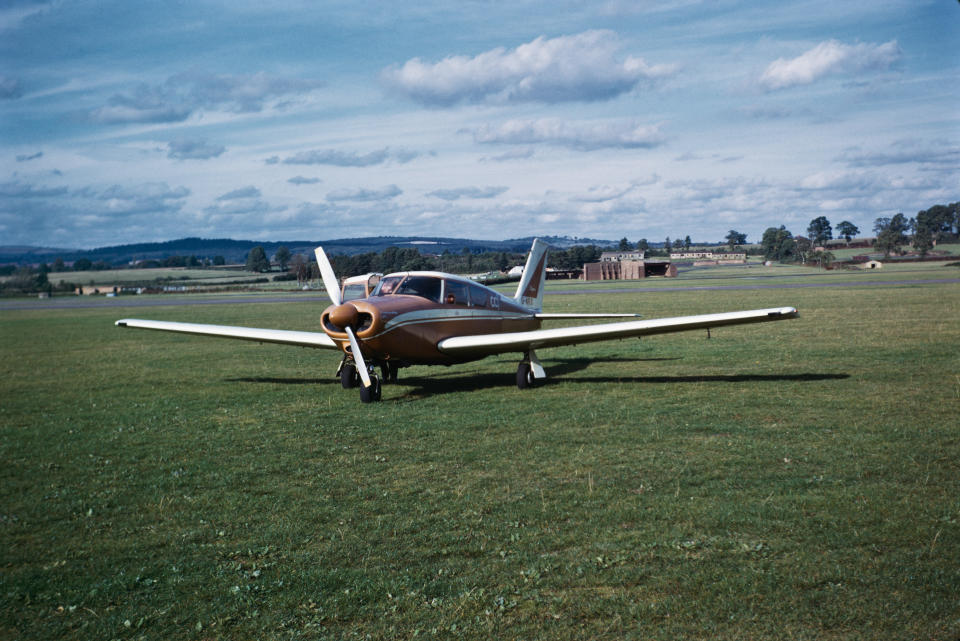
(349, 378)
(371, 394)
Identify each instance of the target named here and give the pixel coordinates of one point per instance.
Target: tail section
(530, 290)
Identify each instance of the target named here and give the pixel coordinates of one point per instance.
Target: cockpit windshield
(387, 286)
(428, 287)
(424, 286)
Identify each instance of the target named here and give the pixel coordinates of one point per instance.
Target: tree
(823, 258)
(643, 245)
(257, 260)
(803, 248)
(890, 234)
(219, 260)
(686, 243)
(667, 246)
(82, 265)
(847, 230)
(624, 244)
(778, 244)
(735, 238)
(58, 265)
(283, 257)
(925, 231)
(820, 230)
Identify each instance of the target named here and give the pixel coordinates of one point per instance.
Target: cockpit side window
(455, 293)
(479, 297)
(387, 286)
(354, 291)
(424, 286)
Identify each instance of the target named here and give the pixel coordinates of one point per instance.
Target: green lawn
(793, 480)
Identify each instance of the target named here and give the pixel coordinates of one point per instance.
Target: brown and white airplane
(432, 318)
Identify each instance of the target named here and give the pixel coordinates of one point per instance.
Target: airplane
(433, 318)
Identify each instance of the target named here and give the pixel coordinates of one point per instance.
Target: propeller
(332, 285)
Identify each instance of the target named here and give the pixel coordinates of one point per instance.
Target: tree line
(922, 232)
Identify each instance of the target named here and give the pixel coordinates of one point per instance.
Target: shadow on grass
(441, 380)
(559, 370)
(284, 381)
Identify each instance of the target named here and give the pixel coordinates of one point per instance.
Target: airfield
(795, 480)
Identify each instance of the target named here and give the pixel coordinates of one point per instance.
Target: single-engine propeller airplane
(432, 318)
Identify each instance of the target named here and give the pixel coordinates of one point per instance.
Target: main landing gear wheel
(372, 393)
(525, 377)
(349, 378)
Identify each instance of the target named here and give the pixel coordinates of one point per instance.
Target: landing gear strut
(350, 379)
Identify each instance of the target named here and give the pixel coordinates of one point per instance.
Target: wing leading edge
(280, 336)
(524, 341)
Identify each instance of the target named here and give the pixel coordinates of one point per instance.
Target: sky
(124, 122)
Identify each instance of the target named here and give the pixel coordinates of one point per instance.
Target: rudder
(530, 290)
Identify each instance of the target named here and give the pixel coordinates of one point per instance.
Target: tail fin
(530, 290)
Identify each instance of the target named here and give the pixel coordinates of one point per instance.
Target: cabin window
(424, 286)
(455, 293)
(479, 296)
(354, 291)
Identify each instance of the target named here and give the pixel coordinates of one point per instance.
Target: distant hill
(235, 251)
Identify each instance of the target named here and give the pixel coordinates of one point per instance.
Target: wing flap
(574, 316)
(522, 341)
(279, 336)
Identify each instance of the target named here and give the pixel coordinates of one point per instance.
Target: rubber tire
(370, 394)
(525, 377)
(349, 378)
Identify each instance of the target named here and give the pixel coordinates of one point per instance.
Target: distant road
(161, 300)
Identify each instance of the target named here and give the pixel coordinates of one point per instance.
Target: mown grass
(795, 480)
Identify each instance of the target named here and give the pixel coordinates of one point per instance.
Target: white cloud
(25, 190)
(303, 180)
(244, 192)
(365, 195)
(581, 67)
(623, 134)
(198, 149)
(184, 94)
(339, 158)
(930, 153)
(829, 57)
(468, 192)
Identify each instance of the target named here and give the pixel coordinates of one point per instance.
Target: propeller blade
(330, 282)
(358, 357)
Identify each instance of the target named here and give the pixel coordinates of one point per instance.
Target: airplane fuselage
(407, 328)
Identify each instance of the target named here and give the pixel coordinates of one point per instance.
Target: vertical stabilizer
(530, 290)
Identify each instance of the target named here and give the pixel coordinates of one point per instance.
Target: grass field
(794, 480)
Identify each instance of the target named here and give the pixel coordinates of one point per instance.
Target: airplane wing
(280, 336)
(523, 341)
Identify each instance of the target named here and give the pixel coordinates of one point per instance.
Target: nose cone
(345, 315)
